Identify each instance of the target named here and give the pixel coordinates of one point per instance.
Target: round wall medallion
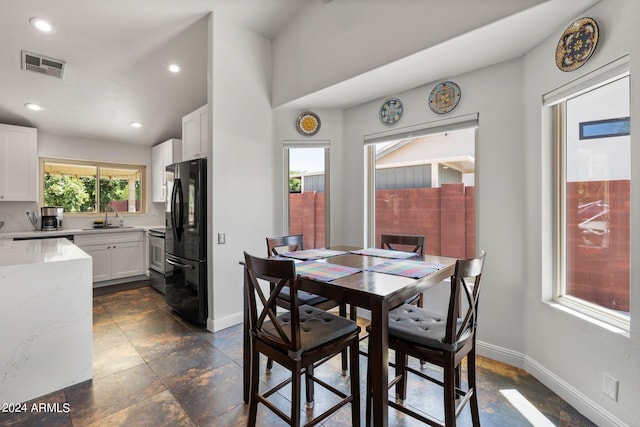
(577, 44)
(444, 97)
(391, 111)
(308, 123)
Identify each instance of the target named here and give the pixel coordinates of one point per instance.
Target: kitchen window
(592, 194)
(82, 187)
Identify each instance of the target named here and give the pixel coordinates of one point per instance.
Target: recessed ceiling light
(174, 68)
(34, 107)
(135, 124)
(40, 24)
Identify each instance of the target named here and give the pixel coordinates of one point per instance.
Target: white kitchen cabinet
(18, 164)
(162, 155)
(127, 260)
(101, 261)
(195, 134)
(116, 255)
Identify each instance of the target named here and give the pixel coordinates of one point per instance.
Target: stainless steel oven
(156, 259)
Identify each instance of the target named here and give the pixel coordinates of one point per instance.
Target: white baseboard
(566, 391)
(504, 355)
(215, 325)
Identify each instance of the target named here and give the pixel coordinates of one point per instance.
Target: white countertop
(46, 311)
(42, 251)
(74, 231)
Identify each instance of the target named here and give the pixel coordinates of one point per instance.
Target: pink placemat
(406, 268)
(324, 271)
(312, 254)
(384, 253)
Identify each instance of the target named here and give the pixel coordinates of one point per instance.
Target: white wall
(329, 43)
(70, 147)
(449, 145)
(567, 353)
(241, 162)
(598, 158)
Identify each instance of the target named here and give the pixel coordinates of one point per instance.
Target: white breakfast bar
(45, 317)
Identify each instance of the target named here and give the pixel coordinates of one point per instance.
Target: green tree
(113, 190)
(295, 185)
(68, 192)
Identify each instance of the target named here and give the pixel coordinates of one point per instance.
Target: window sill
(590, 319)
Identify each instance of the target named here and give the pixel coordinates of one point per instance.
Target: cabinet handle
(177, 264)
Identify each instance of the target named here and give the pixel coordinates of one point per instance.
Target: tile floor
(153, 369)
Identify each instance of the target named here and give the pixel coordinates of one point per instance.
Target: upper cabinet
(18, 164)
(162, 155)
(195, 131)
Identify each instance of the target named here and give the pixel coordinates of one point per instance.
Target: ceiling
(117, 53)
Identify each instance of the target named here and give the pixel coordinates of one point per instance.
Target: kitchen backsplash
(13, 214)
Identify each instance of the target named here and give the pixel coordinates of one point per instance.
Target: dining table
(374, 286)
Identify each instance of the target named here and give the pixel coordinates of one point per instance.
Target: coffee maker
(51, 218)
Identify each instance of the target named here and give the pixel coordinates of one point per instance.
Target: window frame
(599, 78)
(99, 212)
(287, 145)
(466, 121)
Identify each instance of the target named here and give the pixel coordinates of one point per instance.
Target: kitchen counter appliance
(156, 259)
(186, 240)
(51, 218)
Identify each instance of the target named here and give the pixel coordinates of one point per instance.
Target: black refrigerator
(186, 240)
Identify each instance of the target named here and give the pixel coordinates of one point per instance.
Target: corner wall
(241, 163)
(567, 353)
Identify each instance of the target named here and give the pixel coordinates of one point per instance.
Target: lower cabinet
(115, 255)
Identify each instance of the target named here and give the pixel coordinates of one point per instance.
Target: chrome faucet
(106, 211)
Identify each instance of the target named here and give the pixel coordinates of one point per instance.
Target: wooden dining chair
(290, 243)
(402, 242)
(296, 339)
(444, 340)
(407, 243)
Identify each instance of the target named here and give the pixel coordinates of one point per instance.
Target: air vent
(42, 64)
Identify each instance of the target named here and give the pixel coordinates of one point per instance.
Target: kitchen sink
(107, 228)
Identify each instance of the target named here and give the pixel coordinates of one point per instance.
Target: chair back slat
(268, 313)
(392, 241)
(293, 242)
(465, 269)
(263, 319)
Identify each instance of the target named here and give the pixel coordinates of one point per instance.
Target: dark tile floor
(153, 369)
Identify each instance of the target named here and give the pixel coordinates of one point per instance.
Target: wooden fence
(598, 271)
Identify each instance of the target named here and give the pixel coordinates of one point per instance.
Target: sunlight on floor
(527, 410)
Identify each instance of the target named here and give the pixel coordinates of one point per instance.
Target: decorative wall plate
(391, 111)
(308, 123)
(444, 97)
(577, 44)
